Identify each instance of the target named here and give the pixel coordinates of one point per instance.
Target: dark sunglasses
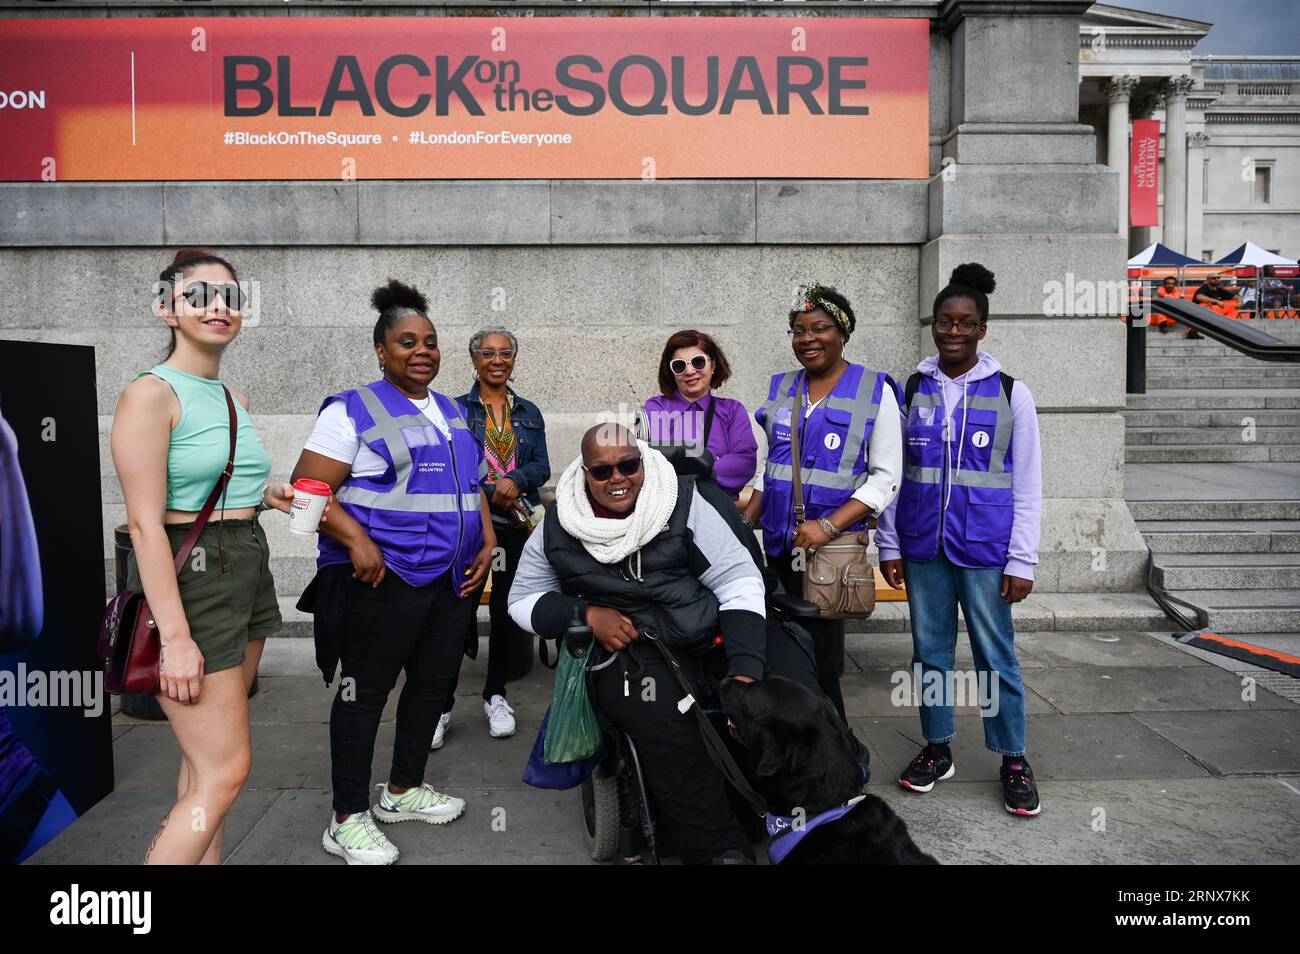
(678, 365)
(203, 294)
(602, 472)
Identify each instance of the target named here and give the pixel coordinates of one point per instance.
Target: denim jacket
(532, 466)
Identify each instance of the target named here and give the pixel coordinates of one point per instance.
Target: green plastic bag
(573, 732)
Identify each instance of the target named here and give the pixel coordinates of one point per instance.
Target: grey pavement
(1146, 753)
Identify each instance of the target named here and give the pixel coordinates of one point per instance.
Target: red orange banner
(463, 98)
(1144, 173)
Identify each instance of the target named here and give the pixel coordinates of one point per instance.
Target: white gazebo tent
(1250, 254)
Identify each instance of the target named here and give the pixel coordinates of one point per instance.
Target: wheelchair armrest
(795, 607)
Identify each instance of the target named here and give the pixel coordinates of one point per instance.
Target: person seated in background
(1217, 297)
(1273, 296)
(1166, 289)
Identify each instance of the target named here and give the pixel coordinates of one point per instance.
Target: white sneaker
(501, 718)
(444, 720)
(358, 841)
(418, 804)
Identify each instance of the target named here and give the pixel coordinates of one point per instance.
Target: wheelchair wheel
(600, 817)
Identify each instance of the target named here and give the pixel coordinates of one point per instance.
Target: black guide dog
(801, 759)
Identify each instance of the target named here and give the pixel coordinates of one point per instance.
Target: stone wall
(595, 275)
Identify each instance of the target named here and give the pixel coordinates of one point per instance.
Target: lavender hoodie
(1027, 478)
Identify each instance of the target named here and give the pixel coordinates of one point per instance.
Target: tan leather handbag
(837, 577)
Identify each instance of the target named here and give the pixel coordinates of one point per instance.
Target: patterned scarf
(499, 443)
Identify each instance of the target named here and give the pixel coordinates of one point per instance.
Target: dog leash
(713, 743)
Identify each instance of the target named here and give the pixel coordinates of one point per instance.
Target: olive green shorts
(226, 589)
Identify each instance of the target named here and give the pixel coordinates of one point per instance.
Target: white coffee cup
(309, 500)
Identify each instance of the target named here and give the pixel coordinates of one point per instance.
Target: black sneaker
(1019, 793)
(925, 770)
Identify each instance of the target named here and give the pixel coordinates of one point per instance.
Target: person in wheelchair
(649, 556)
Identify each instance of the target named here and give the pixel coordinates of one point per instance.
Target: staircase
(1213, 453)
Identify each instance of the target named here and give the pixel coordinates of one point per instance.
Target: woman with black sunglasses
(851, 449)
(686, 411)
(171, 440)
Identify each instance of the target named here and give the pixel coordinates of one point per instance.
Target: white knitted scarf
(609, 540)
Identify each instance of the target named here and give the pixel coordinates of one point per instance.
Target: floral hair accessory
(812, 296)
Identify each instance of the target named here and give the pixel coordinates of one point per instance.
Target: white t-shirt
(335, 437)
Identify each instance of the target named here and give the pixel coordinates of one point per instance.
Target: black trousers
(504, 631)
(393, 628)
(639, 693)
(826, 633)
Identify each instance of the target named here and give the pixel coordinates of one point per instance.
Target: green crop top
(200, 443)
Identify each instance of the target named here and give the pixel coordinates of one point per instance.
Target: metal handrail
(1229, 331)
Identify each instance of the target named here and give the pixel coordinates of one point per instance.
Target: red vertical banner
(1144, 173)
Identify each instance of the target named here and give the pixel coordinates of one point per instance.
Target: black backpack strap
(708, 419)
(909, 390)
(1008, 382)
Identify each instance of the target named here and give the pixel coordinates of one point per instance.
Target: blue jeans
(934, 590)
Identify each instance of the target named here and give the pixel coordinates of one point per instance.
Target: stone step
(1247, 571)
(1280, 508)
(1243, 611)
(1211, 536)
(1219, 399)
(1227, 379)
(1234, 434)
(1193, 454)
(1211, 418)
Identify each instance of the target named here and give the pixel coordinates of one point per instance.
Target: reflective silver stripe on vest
(861, 408)
(996, 475)
(769, 407)
(413, 503)
(389, 427)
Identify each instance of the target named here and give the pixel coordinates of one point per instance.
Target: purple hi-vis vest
(833, 444)
(423, 511)
(975, 529)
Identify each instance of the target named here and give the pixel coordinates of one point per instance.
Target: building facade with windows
(1230, 143)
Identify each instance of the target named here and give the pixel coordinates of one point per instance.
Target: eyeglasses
(487, 354)
(203, 294)
(678, 365)
(820, 329)
(945, 325)
(602, 472)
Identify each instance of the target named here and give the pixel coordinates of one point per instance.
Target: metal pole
(1135, 375)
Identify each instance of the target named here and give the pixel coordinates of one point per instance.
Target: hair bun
(974, 275)
(190, 253)
(397, 295)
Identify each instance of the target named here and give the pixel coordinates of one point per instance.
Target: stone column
(1118, 91)
(1175, 219)
(1028, 199)
(1196, 143)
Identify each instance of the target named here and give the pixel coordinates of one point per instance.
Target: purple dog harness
(786, 834)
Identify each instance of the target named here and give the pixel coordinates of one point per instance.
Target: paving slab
(1064, 650)
(1233, 743)
(1141, 822)
(540, 827)
(871, 693)
(117, 830)
(1092, 746)
(1145, 689)
(148, 759)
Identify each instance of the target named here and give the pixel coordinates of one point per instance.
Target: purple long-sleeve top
(1026, 479)
(731, 438)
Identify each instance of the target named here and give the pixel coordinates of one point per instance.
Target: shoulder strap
(191, 538)
(708, 419)
(909, 390)
(1008, 382)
